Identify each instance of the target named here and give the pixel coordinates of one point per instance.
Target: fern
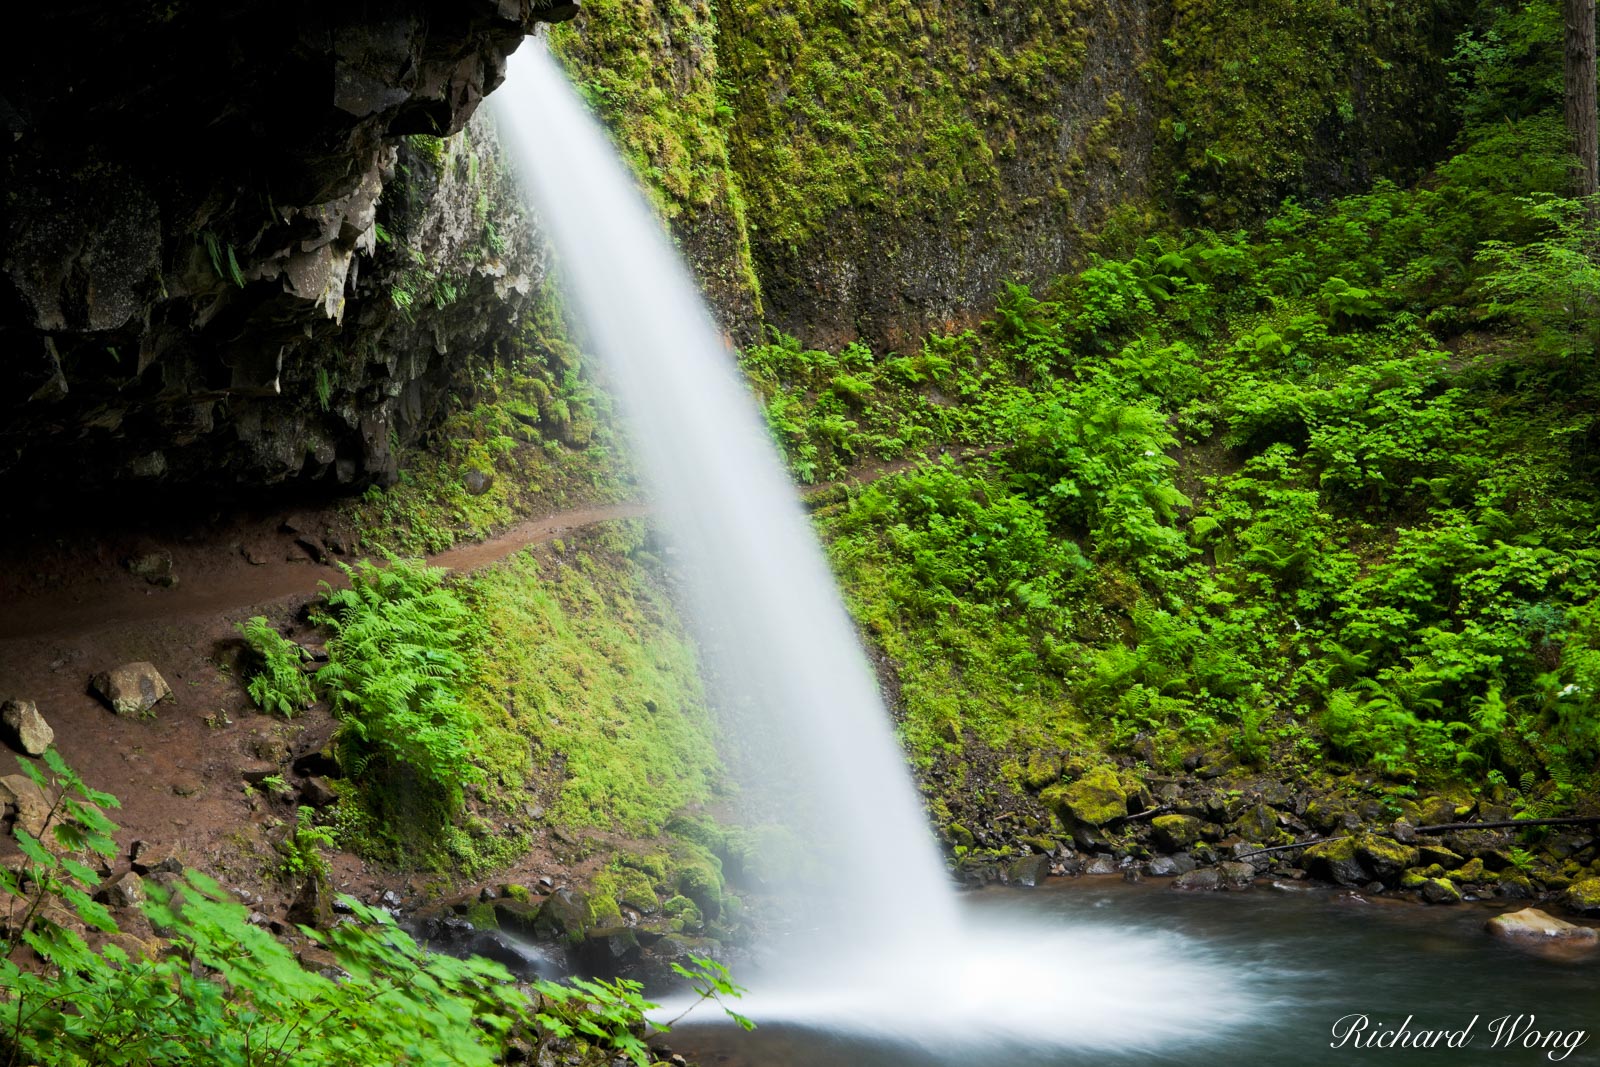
(397, 665)
(279, 686)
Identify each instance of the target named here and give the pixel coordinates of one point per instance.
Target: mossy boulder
(1258, 824)
(1335, 861)
(1042, 769)
(1440, 891)
(1385, 857)
(1445, 858)
(1471, 871)
(702, 883)
(1174, 833)
(633, 889)
(564, 915)
(1583, 897)
(1093, 800)
(483, 917)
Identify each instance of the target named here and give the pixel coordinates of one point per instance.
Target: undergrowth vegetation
(1327, 489)
(211, 987)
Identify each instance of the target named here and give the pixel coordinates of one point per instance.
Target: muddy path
(210, 588)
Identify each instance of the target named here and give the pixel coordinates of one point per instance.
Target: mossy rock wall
(882, 166)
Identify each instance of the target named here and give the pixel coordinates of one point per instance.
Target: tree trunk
(1583, 113)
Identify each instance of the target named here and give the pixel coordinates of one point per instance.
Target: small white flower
(1149, 452)
(1568, 689)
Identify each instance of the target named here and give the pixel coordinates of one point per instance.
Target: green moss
(482, 917)
(908, 110)
(650, 71)
(1094, 800)
(1176, 832)
(586, 656)
(1272, 97)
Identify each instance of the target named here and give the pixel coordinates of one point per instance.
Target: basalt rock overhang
(193, 283)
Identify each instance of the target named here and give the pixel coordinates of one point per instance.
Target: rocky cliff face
(246, 241)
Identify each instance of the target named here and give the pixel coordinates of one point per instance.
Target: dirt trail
(226, 590)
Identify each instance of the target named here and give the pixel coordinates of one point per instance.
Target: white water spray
(895, 956)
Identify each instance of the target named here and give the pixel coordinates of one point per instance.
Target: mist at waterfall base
(881, 946)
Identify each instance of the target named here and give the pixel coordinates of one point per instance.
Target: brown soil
(178, 773)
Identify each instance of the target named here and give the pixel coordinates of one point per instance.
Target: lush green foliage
(398, 664)
(224, 991)
(280, 685)
(219, 990)
(611, 1012)
(1324, 489)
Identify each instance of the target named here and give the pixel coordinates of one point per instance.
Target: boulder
(132, 689)
(155, 568)
(1093, 800)
(318, 792)
(313, 905)
(1237, 875)
(23, 795)
(1440, 891)
(1100, 864)
(24, 729)
(1531, 924)
(564, 915)
(1174, 833)
(1582, 897)
(1335, 861)
(1206, 878)
(1029, 871)
(607, 950)
(477, 482)
(1258, 824)
(1162, 867)
(1385, 857)
(124, 891)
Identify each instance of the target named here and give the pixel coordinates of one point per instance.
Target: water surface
(1305, 957)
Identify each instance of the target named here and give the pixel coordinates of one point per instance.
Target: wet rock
(1100, 864)
(563, 915)
(1386, 858)
(1162, 867)
(1174, 833)
(1582, 897)
(1514, 885)
(1093, 800)
(1205, 879)
(1236, 875)
(607, 950)
(132, 689)
(24, 729)
(1531, 924)
(1029, 871)
(1440, 891)
(124, 891)
(23, 796)
(1335, 861)
(155, 568)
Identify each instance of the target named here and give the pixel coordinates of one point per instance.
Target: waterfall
(891, 952)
